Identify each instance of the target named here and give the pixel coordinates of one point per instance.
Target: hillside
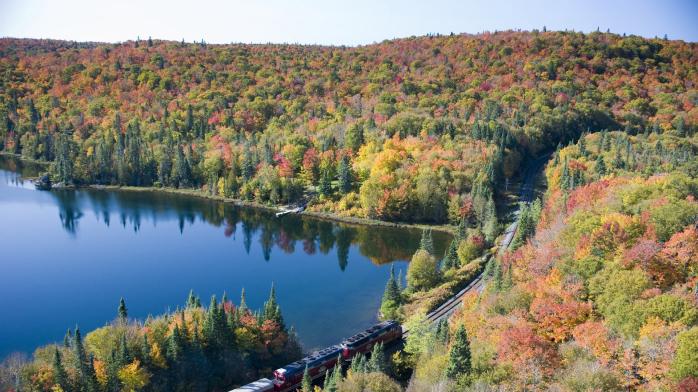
(416, 129)
(603, 295)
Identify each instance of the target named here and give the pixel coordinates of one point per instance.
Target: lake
(68, 256)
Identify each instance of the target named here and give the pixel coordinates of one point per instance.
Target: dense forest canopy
(411, 129)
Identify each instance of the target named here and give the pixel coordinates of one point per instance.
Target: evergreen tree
(358, 364)
(123, 354)
(427, 243)
(68, 338)
(582, 145)
(451, 256)
(354, 136)
(325, 185)
(189, 119)
(498, 277)
(272, 310)
(59, 375)
(123, 312)
(681, 127)
(181, 171)
(377, 362)
(565, 177)
(242, 308)
(175, 345)
(63, 164)
(306, 384)
(344, 174)
(600, 166)
(459, 355)
(392, 290)
(462, 231)
(491, 225)
(442, 331)
(193, 301)
(248, 165)
(618, 160)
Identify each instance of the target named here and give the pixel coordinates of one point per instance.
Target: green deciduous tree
(423, 272)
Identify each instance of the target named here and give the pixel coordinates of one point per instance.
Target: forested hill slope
(410, 129)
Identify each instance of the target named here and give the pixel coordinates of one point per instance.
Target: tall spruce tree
(459, 355)
(60, 376)
(377, 362)
(123, 311)
(451, 256)
(307, 383)
(344, 175)
(427, 242)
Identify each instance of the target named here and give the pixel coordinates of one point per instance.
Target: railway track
(526, 194)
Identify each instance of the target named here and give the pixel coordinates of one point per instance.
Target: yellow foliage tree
(134, 377)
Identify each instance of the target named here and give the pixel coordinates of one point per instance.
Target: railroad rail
(526, 194)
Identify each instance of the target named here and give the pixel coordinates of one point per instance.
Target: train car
(363, 342)
(290, 376)
(261, 385)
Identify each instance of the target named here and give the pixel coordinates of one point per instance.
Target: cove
(67, 256)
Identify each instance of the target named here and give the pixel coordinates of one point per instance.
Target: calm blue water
(66, 257)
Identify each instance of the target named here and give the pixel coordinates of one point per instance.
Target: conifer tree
(392, 290)
(442, 331)
(306, 384)
(344, 175)
(451, 256)
(242, 308)
(377, 362)
(68, 338)
(59, 375)
(272, 310)
(325, 185)
(459, 355)
(600, 166)
(123, 312)
(427, 243)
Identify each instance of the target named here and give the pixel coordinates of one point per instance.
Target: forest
(599, 290)
(195, 348)
(419, 129)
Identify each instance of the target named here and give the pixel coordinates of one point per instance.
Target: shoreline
(192, 192)
(327, 216)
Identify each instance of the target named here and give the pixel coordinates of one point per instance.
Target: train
(289, 377)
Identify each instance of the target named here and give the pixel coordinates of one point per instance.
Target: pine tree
(325, 185)
(68, 338)
(392, 290)
(59, 375)
(462, 231)
(344, 174)
(582, 145)
(681, 127)
(442, 331)
(377, 362)
(306, 384)
(498, 277)
(272, 310)
(427, 243)
(242, 308)
(451, 256)
(123, 312)
(600, 166)
(189, 119)
(459, 355)
(565, 177)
